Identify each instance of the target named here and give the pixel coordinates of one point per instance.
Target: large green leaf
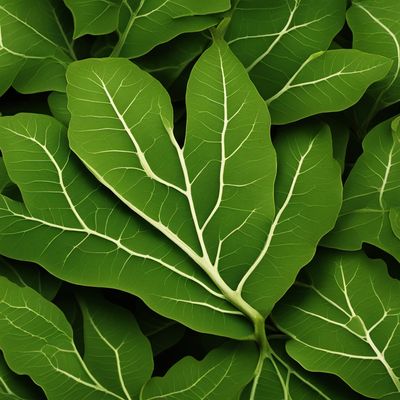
(116, 351)
(34, 48)
(222, 181)
(81, 234)
(327, 81)
(274, 38)
(16, 387)
(58, 106)
(283, 379)
(96, 17)
(37, 340)
(344, 318)
(222, 374)
(31, 275)
(376, 29)
(145, 24)
(370, 192)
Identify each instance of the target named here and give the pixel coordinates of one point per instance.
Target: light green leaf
(81, 233)
(353, 305)
(34, 49)
(327, 81)
(167, 62)
(370, 192)
(16, 387)
(31, 275)
(394, 216)
(376, 29)
(96, 17)
(37, 340)
(146, 24)
(58, 107)
(274, 38)
(222, 374)
(116, 351)
(283, 379)
(225, 201)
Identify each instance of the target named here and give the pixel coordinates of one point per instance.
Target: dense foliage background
(199, 199)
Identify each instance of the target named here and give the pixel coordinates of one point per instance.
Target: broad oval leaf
(376, 29)
(327, 81)
(80, 233)
(95, 17)
(145, 24)
(344, 318)
(370, 192)
(37, 340)
(116, 350)
(274, 38)
(222, 374)
(34, 49)
(222, 181)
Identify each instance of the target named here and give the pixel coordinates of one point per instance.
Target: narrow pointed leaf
(353, 304)
(370, 192)
(274, 38)
(376, 29)
(37, 340)
(116, 351)
(329, 81)
(221, 374)
(80, 232)
(95, 17)
(34, 49)
(146, 24)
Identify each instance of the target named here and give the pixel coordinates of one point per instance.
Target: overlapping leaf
(96, 17)
(221, 181)
(37, 340)
(58, 106)
(282, 379)
(34, 48)
(221, 374)
(274, 38)
(345, 319)
(371, 191)
(329, 81)
(81, 233)
(376, 29)
(31, 275)
(146, 24)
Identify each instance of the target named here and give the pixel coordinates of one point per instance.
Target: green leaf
(37, 340)
(152, 22)
(31, 275)
(340, 139)
(222, 374)
(81, 234)
(370, 192)
(282, 378)
(58, 107)
(116, 351)
(225, 201)
(15, 387)
(274, 38)
(353, 304)
(34, 49)
(167, 62)
(96, 17)
(327, 81)
(4, 178)
(376, 29)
